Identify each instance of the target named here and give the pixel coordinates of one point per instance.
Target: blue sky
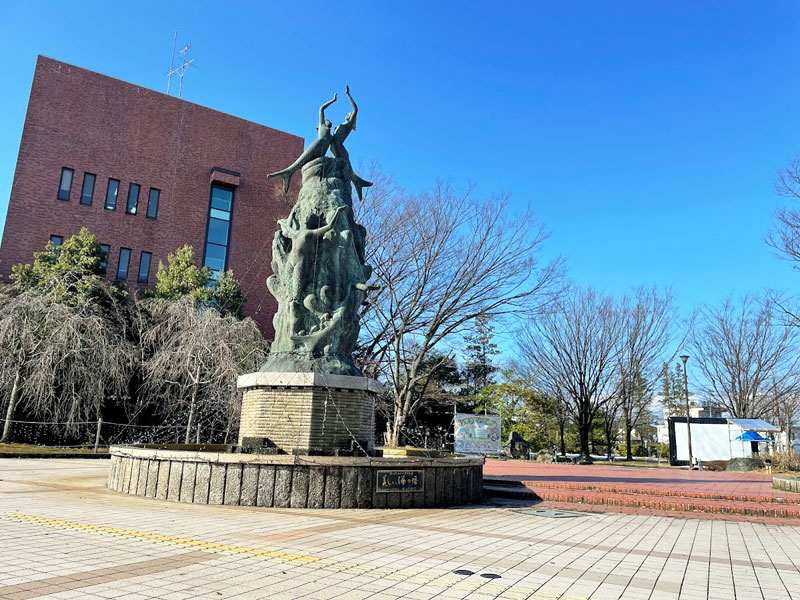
(645, 134)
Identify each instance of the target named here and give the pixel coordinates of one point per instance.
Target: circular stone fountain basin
(287, 481)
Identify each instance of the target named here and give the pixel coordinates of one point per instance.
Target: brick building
(146, 173)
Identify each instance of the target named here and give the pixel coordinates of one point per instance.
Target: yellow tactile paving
(438, 581)
(163, 539)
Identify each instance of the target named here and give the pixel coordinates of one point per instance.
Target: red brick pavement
(702, 494)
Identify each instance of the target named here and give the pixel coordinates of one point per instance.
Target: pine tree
(672, 393)
(480, 349)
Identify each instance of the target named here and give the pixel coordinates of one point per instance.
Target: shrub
(715, 465)
(785, 460)
(637, 450)
(661, 450)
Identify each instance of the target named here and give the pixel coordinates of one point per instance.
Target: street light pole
(684, 358)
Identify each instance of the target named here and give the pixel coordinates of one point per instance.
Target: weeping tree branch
(196, 357)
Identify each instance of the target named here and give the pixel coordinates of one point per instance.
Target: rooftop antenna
(181, 68)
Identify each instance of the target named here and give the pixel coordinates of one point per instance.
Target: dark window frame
(106, 248)
(128, 210)
(146, 279)
(71, 181)
(83, 189)
(230, 223)
(122, 252)
(60, 240)
(116, 196)
(149, 200)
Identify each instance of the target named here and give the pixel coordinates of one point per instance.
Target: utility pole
(684, 358)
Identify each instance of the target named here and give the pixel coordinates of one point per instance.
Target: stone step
(502, 481)
(668, 492)
(666, 503)
(511, 492)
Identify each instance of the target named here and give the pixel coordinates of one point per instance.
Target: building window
(87, 191)
(133, 199)
(111, 194)
(152, 203)
(106, 252)
(144, 268)
(56, 240)
(66, 184)
(122, 265)
(218, 233)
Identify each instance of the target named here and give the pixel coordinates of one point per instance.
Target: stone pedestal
(308, 413)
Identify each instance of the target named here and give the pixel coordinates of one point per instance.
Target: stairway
(584, 495)
(508, 489)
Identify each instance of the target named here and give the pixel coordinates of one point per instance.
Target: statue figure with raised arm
(337, 144)
(317, 149)
(318, 260)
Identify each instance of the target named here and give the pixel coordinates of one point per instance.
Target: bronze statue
(317, 149)
(337, 144)
(325, 140)
(318, 260)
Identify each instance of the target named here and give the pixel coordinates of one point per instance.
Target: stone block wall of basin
(290, 481)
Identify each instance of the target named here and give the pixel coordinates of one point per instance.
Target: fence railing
(95, 434)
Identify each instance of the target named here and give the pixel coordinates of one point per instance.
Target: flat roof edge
(39, 57)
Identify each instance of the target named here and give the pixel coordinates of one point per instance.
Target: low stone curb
(287, 481)
(62, 455)
(789, 483)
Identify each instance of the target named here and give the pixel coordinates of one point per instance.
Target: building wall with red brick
(92, 123)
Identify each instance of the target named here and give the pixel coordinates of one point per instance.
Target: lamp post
(684, 358)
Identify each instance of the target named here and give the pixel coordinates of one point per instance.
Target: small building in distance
(146, 173)
(699, 408)
(718, 439)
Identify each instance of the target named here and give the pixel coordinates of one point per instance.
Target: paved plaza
(64, 535)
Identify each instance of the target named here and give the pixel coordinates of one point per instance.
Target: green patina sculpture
(319, 270)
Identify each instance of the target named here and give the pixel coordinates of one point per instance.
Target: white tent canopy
(753, 425)
(716, 439)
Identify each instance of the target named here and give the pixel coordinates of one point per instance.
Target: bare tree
(647, 332)
(785, 234)
(441, 259)
(610, 418)
(561, 414)
(573, 350)
(784, 411)
(196, 358)
(746, 354)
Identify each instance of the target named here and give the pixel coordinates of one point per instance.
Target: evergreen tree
(181, 277)
(71, 273)
(672, 392)
(522, 408)
(480, 349)
(226, 295)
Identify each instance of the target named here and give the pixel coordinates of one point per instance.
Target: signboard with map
(478, 434)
